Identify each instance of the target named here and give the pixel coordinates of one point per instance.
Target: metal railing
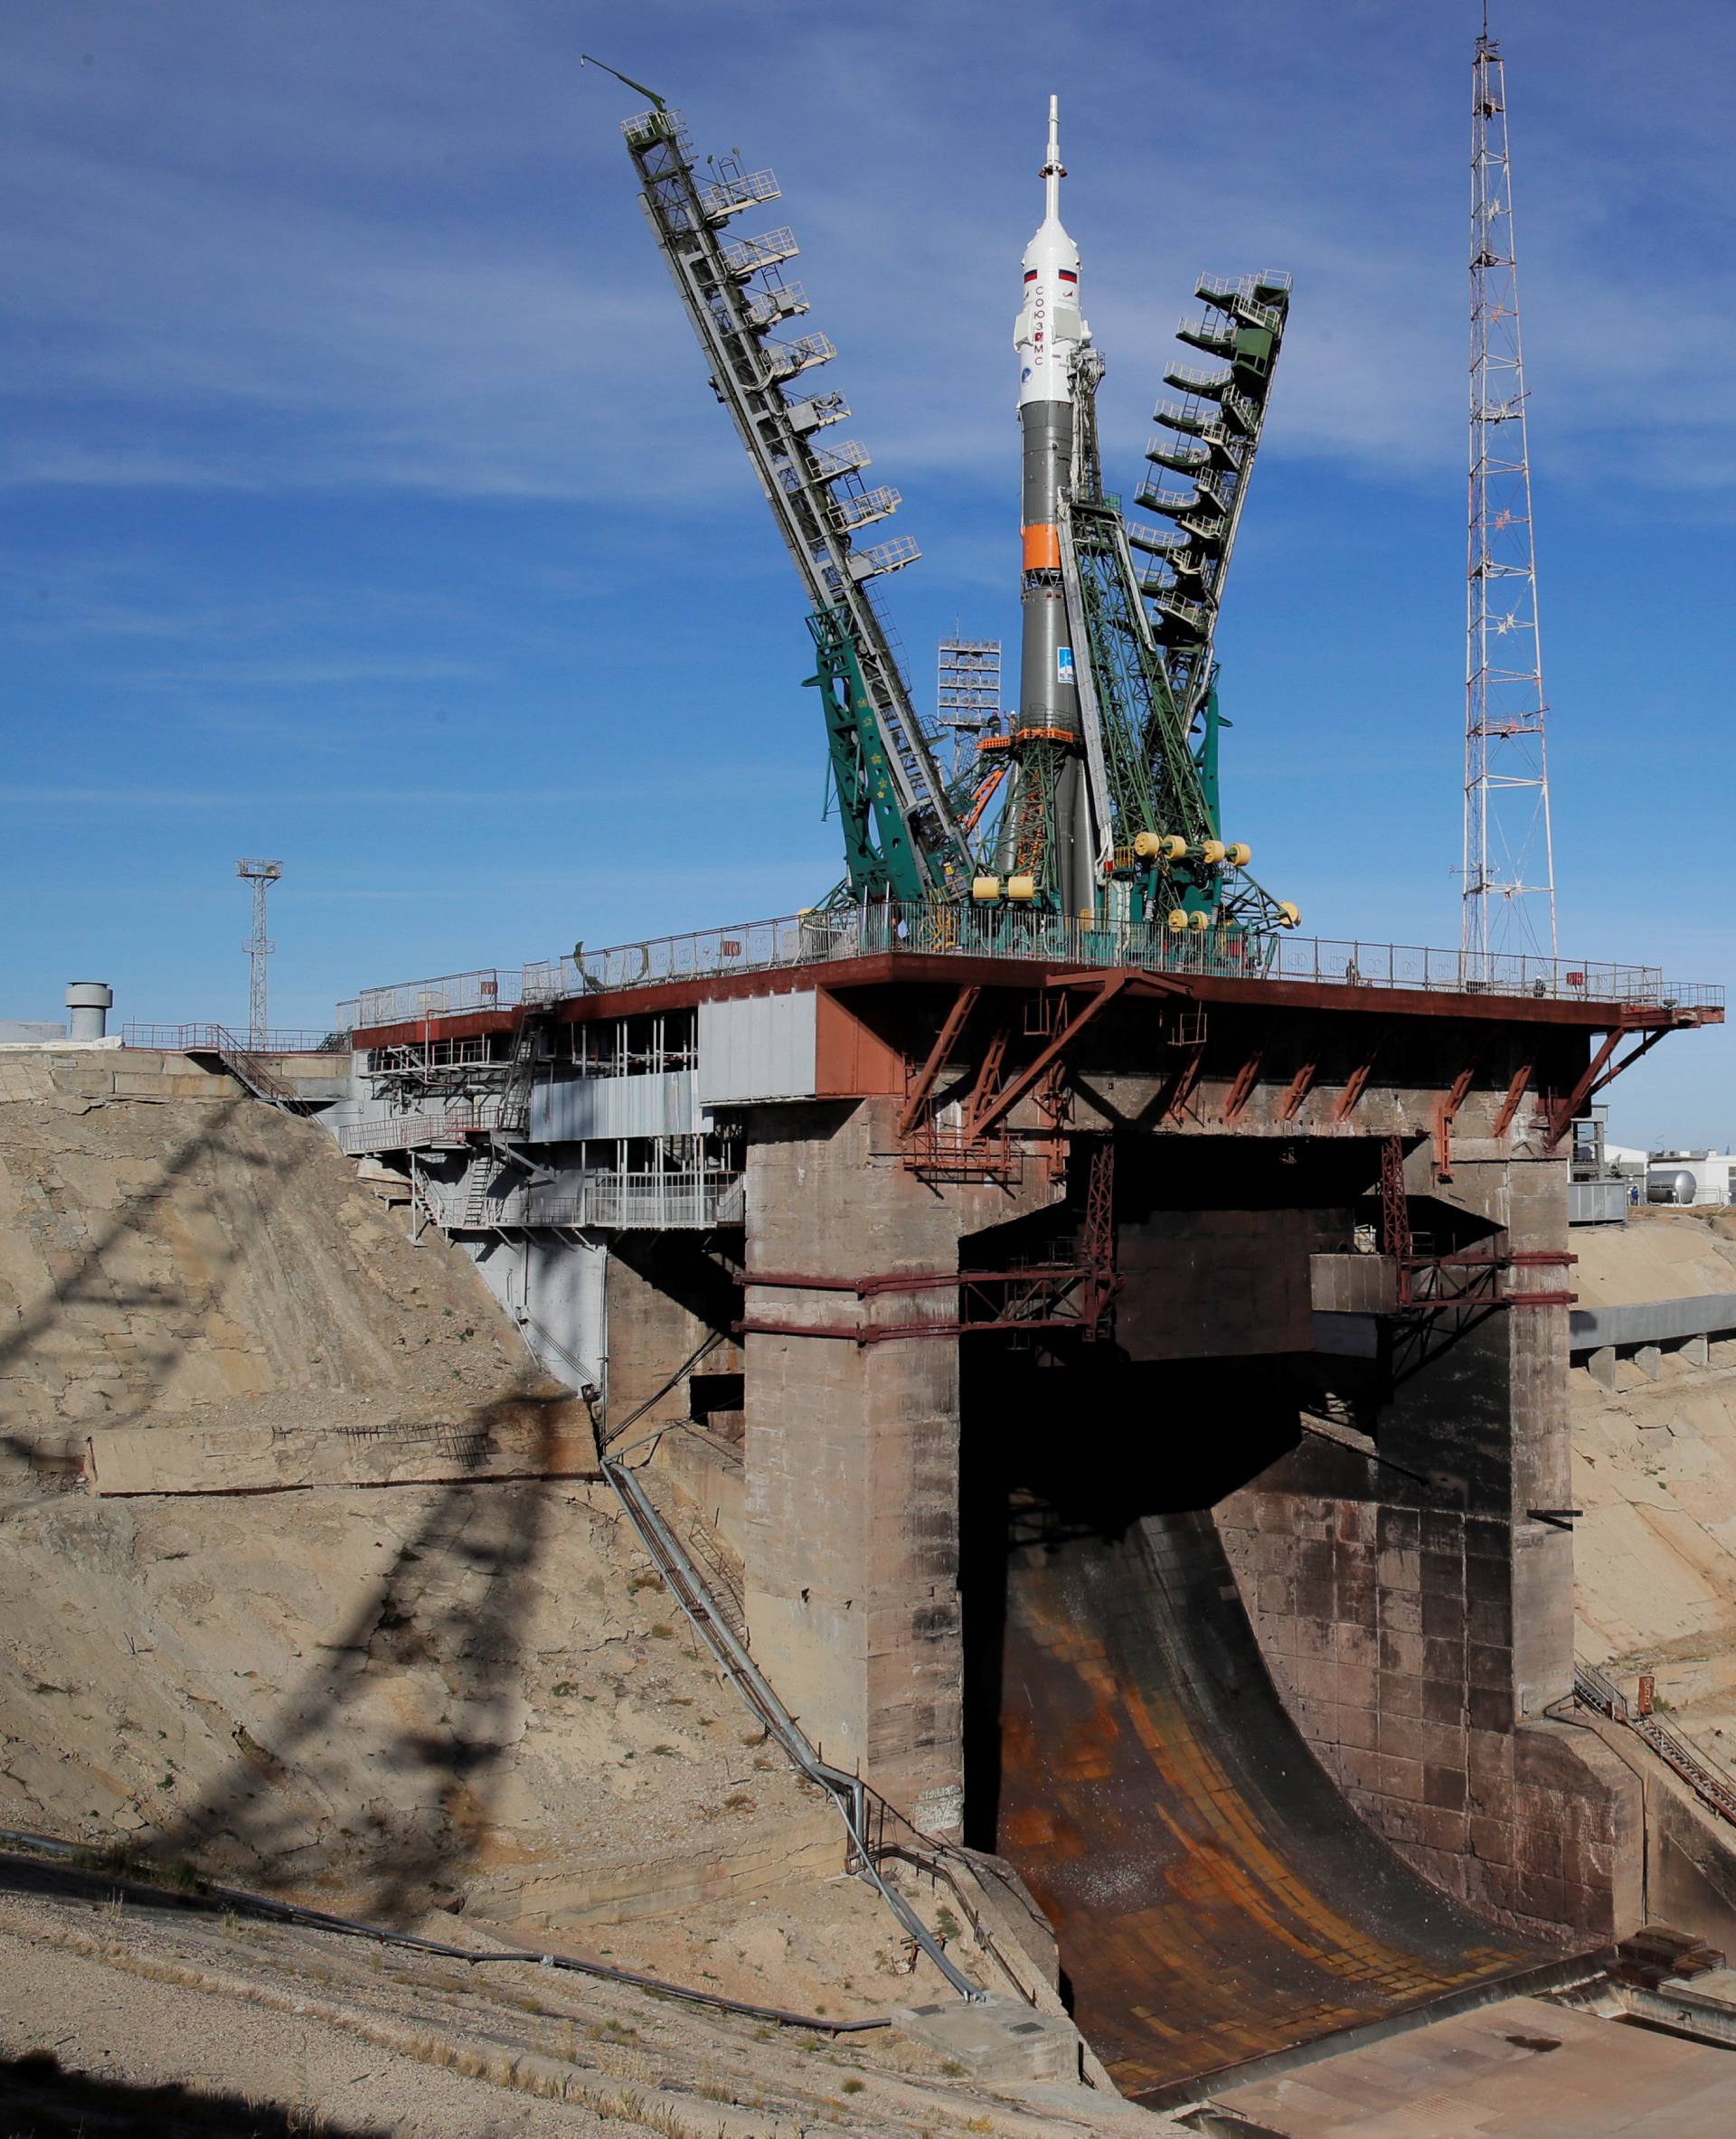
(209, 1038)
(821, 935)
(420, 1132)
(659, 1203)
(246, 1064)
(1713, 1785)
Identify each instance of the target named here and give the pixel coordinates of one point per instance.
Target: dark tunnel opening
(1081, 1445)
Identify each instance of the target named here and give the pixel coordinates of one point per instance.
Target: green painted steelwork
(901, 838)
(1143, 638)
(878, 857)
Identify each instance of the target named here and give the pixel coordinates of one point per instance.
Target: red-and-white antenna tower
(1509, 899)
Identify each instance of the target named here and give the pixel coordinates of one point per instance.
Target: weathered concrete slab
(1652, 1322)
(509, 1440)
(1519, 2070)
(1001, 2038)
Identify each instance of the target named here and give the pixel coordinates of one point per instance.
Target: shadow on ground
(40, 2100)
(411, 1791)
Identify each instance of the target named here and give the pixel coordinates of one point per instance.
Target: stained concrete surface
(1216, 1900)
(1523, 2068)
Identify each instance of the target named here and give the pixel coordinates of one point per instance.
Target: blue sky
(364, 505)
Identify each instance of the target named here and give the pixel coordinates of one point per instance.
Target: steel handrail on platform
(656, 1203)
(417, 1132)
(1713, 1785)
(205, 1037)
(823, 935)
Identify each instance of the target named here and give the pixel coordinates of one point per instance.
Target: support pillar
(852, 1453)
(1416, 1608)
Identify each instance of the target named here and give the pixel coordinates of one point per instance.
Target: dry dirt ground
(134, 2014)
(467, 1707)
(1654, 1470)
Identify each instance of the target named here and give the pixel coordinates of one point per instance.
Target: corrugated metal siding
(1596, 1202)
(756, 1047)
(580, 1107)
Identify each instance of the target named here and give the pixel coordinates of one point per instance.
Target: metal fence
(419, 1132)
(656, 1201)
(212, 1039)
(822, 936)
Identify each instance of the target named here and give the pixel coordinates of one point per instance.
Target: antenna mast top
(1509, 861)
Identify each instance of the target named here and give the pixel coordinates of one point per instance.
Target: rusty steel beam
(1302, 1083)
(1241, 1088)
(1183, 1085)
(1521, 1078)
(1356, 1083)
(988, 1076)
(1598, 1078)
(962, 1004)
(987, 1107)
(885, 1281)
(1448, 1106)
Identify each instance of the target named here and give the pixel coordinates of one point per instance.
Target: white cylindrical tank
(88, 1005)
(1670, 1185)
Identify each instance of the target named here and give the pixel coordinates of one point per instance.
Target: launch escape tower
(1094, 805)
(1509, 879)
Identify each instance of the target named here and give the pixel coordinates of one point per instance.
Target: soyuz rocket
(1049, 333)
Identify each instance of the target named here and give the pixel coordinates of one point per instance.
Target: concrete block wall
(852, 1452)
(1418, 1619)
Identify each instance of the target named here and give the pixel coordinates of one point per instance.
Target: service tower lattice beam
(1509, 881)
(901, 838)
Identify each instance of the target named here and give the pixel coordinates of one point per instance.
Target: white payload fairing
(1049, 333)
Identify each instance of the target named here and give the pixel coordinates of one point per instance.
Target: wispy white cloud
(322, 263)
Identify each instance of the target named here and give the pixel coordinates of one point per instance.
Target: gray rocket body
(1048, 695)
(1049, 331)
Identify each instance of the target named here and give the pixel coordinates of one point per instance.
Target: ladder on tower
(734, 296)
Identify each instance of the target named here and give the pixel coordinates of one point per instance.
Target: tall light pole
(258, 947)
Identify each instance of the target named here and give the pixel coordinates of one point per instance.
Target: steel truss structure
(1148, 685)
(1145, 630)
(1509, 858)
(901, 837)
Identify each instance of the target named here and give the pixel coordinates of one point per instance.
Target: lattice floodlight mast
(901, 839)
(1509, 881)
(258, 947)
